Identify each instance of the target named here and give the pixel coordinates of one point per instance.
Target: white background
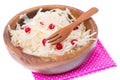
(107, 20)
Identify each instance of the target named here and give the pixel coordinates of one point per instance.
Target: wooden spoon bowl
(54, 64)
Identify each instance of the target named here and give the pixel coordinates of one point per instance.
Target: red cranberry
(51, 26)
(75, 28)
(27, 29)
(73, 41)
(59, 46)
(44, 41)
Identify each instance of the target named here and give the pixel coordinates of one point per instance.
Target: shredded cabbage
(32, 42)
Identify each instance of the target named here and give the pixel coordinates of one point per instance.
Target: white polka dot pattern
(98, 60)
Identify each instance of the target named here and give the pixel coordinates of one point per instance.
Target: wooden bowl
(55, 64)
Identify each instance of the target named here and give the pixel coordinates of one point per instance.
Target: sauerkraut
(31, 36)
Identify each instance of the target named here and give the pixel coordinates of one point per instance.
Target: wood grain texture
(51, 64)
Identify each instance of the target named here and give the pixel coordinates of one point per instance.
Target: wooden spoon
(62, 34)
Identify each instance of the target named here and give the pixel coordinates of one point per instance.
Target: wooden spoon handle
(84, 16)
(87, 14)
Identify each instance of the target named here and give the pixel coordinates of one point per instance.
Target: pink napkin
(98, 60)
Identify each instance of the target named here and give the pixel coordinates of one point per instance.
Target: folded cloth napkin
(98, 60)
